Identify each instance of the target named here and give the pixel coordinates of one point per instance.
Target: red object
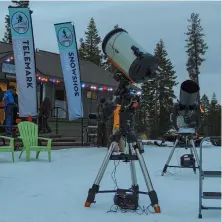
(29, 118)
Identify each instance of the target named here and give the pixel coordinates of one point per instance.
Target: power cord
(114, 209)
(113, 174)
(140, 210)
(175, 173)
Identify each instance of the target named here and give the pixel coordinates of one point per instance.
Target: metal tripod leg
(170, 157)
(133, 168)
(95, 188)
(195, 152)
(191, 151)
(151, 192)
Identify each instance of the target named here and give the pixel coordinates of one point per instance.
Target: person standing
(116, 126)
(15, 108)
(45, 110)
(101, 130)
(9, 105)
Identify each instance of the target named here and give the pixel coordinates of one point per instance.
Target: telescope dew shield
(188, 93)
(129, 57)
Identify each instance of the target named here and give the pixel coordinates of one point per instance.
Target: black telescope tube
(188, 93)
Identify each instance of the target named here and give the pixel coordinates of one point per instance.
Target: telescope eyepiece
(136, 51)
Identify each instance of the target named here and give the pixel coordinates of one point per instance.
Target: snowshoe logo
(65, 37)
(20, 23)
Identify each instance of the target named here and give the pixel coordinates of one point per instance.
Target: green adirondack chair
(10, 147)
(29, 135)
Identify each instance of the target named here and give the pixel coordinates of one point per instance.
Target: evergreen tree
(196, 48)
(22, 4)
(7, 36)
(205, 106)
(89, 48)
(164, 90)
(82, 50)
(214, 118)
(147, 115)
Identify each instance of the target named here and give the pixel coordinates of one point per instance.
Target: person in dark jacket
(101, 130)
(15, 109)
(9, 105)
(45, 110)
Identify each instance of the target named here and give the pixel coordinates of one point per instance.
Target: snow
(42, 191)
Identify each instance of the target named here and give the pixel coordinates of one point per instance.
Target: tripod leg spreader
(192, 150)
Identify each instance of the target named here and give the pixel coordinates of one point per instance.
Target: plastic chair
(10, 147)
(29, 136)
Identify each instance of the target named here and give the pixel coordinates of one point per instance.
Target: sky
(147, 22)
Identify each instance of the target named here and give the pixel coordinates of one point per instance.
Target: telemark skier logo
(20, 22)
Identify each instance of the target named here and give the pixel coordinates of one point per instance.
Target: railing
(56, 117)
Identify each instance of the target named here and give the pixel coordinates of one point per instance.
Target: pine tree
(89, 48)
(22, 4)
(147, 116)
(164, 90)
(82, 50)
(7, 36)
(196, 48)
(214, 118)
(205, 106)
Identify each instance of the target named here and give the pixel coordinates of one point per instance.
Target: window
(91, 95)
(60, 101)
(60, 94)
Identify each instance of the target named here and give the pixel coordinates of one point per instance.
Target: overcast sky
(146, 22)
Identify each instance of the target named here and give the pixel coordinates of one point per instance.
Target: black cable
(113, 174)
(114, 208)
(140, 210)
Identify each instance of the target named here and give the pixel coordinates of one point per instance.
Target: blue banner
(24, 58)
(66, 38)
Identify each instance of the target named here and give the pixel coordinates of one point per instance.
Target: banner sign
(66, 39)
(23, 50)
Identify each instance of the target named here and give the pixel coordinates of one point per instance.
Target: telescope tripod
(193, 151)
(130, 155)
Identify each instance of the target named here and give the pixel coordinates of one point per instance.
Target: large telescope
(129, 57)
(188, 93)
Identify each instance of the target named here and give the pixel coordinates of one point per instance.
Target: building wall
(57, 95)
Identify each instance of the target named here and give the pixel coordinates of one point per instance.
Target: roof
(49, 64)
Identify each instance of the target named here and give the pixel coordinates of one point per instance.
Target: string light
(83, 85)
(9, 59)
(56, 81)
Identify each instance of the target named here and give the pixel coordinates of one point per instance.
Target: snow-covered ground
(40, 191)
